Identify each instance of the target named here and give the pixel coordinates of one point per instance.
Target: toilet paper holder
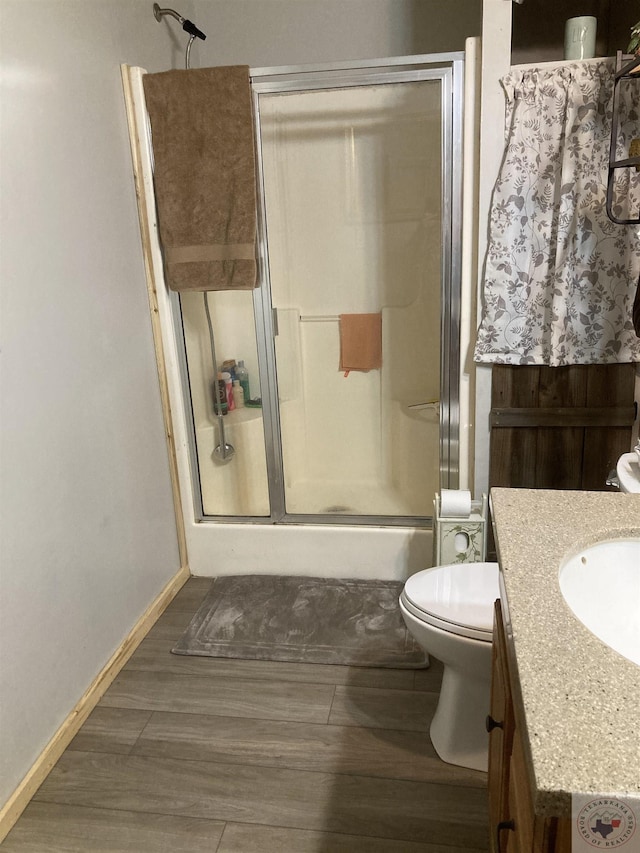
(460, 540)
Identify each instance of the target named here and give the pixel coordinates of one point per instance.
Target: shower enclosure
(360, 213)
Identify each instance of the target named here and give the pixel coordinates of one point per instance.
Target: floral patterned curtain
(560, 277)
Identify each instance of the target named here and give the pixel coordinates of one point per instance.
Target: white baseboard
(20, 798)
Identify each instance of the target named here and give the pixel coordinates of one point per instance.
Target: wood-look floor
(188, 754)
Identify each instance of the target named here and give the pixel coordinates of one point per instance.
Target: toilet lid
(460, 596)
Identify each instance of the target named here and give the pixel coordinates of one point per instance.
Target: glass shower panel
(238, 487)
(353, 201)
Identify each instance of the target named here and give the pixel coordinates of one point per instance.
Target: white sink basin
(601, 585)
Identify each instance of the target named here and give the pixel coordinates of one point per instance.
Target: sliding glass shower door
(354, 357)
(358, 197)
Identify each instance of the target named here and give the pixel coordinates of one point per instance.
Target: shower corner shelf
(239, 416)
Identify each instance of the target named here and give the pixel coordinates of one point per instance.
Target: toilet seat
(456, 598)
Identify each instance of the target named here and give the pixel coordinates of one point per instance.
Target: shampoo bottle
(229, 366)
(220, 396)
(242, 375)
(238, 395)
(228, 387)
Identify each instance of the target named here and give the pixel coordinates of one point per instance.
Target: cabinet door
(520, 802)
(552, 835)
(514, 827)
(561, 835)
(500, 725)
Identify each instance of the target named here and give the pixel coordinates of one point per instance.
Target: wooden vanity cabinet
(514, 826)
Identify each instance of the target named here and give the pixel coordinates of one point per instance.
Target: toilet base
(458, 732)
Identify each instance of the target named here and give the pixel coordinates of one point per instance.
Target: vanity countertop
(581, 700)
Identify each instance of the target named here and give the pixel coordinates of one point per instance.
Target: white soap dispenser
(238, 394)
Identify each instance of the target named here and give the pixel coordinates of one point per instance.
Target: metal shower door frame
(449, 70)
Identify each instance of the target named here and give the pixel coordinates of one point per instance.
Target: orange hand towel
(360, 341)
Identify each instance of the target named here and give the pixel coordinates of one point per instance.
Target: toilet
(449, 612)
(628, 471)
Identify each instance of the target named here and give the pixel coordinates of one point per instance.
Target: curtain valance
(560, 277)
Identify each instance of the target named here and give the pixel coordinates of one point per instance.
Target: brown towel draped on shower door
(204, 176)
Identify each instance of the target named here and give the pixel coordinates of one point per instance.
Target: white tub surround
(580, 700)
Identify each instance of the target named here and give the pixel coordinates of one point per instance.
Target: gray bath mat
(308, 620)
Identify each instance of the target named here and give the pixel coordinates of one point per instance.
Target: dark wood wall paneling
(559, 427)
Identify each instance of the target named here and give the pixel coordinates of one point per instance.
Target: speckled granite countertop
(581, 700)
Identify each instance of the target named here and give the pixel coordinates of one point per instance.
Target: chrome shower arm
(160, 13)
(187, 25)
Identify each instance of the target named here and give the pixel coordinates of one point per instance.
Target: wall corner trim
(18, 801)
(145, 200)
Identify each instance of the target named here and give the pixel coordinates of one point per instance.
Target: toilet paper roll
(455, 503)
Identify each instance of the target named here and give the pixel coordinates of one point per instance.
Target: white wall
(88, 531)
(289, 32)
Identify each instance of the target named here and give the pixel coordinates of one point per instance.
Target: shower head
(187, 26)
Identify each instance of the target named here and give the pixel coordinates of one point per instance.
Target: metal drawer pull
(491, 724)
(504, 824)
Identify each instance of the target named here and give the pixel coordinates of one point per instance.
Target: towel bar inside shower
(319, 318)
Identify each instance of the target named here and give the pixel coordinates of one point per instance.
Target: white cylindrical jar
(580, 37)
